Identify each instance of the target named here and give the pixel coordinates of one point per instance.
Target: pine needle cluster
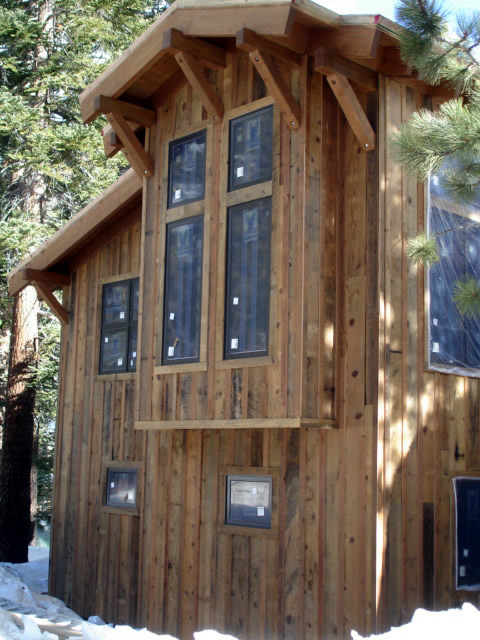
(466, 295)
(447, 140)
(422, 249)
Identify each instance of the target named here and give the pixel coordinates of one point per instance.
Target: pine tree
(445, 142)
(50, 167)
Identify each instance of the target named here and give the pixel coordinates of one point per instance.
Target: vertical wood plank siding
(364, 511)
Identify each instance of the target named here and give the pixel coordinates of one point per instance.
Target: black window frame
(171, 204)
(249, 520)
(231, 150)
(111, 471)
(228, 354)
(129, 324)
(467, 532)
(166, 360)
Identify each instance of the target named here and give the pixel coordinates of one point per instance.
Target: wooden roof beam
(350, 42)
(200, 85)
(276, 86)
(206, 54)
(139, 159)
(50, 278)
(249, 40)
(353, 110)
(327, 61)
(44, 293)
(132, 112)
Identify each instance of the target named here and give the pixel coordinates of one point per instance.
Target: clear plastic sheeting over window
(454, 340)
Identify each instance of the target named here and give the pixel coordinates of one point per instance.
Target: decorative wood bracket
(200, 85)
(327, 61)
(206, 54)
(249, 41)
(353, 110)
(51, 278)
(45, 294)
(278, 89)
(139, 159)
(132, 112)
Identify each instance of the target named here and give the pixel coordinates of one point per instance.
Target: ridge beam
(200, 85)
(44, 293)
(205, 53)
(327, 62)
(139, 159)
(276, 86)
(353, 110)
(132, 112)
(248, 40)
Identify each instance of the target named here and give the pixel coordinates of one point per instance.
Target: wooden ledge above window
(241, 423)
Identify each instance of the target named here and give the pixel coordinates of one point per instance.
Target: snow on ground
(463, 624)
(26, 610)
(23, 592)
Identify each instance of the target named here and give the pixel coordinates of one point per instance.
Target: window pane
(186, 178)
(454, 339)
(132, 349)
(467, 507)
(134, 295)
(115, 304)
(248, 279)
(114, 351)
(122, 487)
(183, 291)
(251, 149)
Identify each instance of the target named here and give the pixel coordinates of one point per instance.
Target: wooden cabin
(251, 434)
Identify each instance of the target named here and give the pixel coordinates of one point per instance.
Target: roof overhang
(300, 25)
(77, 233)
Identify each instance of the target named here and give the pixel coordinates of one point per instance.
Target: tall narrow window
(186, 169)
(251, 149)
(248, 279)
(183, 291)
(118, 348)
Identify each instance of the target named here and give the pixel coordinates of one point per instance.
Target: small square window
(249, 501)
(251, 149)
(248, 279)
(121, 487)
(118, 342)
(186, 169)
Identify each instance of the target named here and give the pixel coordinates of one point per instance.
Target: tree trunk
(16, 525)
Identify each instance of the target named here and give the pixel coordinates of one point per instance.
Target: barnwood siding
(93, 563)
(364, 517)
(423, 416)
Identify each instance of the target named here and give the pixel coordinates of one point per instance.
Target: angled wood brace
(282, 95)
(200, 85)
(125, 118)
(339, 72)
(44, 293)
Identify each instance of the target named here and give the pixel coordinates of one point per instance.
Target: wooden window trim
(174, 214)
(229, 198)
(110, 375)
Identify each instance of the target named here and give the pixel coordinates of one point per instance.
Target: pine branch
(422, 250)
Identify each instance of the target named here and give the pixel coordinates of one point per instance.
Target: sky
(387, 7)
